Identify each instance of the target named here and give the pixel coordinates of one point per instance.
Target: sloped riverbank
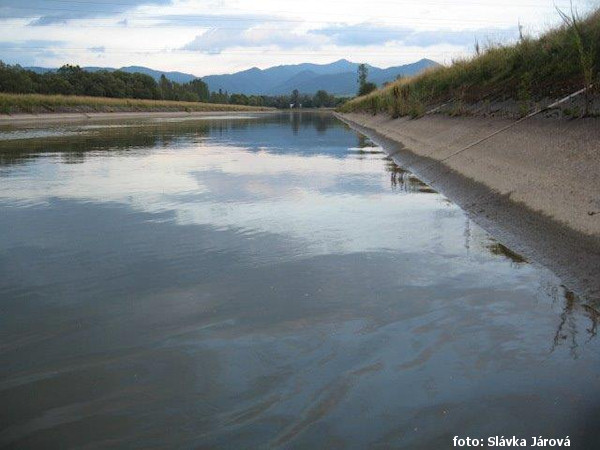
(535, 184)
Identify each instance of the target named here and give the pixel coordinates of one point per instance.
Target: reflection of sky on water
(228, 187)
(268, 281)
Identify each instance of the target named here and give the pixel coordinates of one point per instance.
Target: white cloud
(215, 40)
(204, 37)
(47, 13)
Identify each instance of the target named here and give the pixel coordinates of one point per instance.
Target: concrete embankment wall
(536, 185)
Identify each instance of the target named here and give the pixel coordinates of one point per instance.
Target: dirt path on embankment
(535, 185)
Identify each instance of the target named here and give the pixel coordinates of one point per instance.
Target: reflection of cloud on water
(258, 193)
(253, 287)
(261, 192)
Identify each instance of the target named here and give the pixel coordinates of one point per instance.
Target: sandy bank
(73, 117)
(535, 185)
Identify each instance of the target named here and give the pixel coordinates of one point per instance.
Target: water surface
(266, 282)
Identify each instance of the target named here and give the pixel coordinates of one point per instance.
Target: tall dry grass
(559, 62)
(39, 103)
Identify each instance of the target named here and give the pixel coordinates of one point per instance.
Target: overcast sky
(218, 36)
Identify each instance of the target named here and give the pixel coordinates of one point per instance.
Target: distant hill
(337, 78)
(179, 77)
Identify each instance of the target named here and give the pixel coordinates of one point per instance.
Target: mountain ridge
(273, 81)
(338, 77)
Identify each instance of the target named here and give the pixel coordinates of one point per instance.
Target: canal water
(267, 282)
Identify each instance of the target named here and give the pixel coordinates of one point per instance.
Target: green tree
(219, 97)
(255, 100)
(15, 79)
(73, 80)
(323, 99)
(306, 101)
(166, 88)
(363, 73)
(238, 99)
(75, 76)
(295, 98)
(200, 88)
(364, 87)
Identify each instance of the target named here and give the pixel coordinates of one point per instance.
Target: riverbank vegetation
(528, 74)
(69, 82)
(73, 80)
(40, 103)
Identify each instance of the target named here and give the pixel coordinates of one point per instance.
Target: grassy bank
(39, 103)
(518, 78)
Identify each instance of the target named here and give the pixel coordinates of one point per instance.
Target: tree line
(73, 80)
(322, 99)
